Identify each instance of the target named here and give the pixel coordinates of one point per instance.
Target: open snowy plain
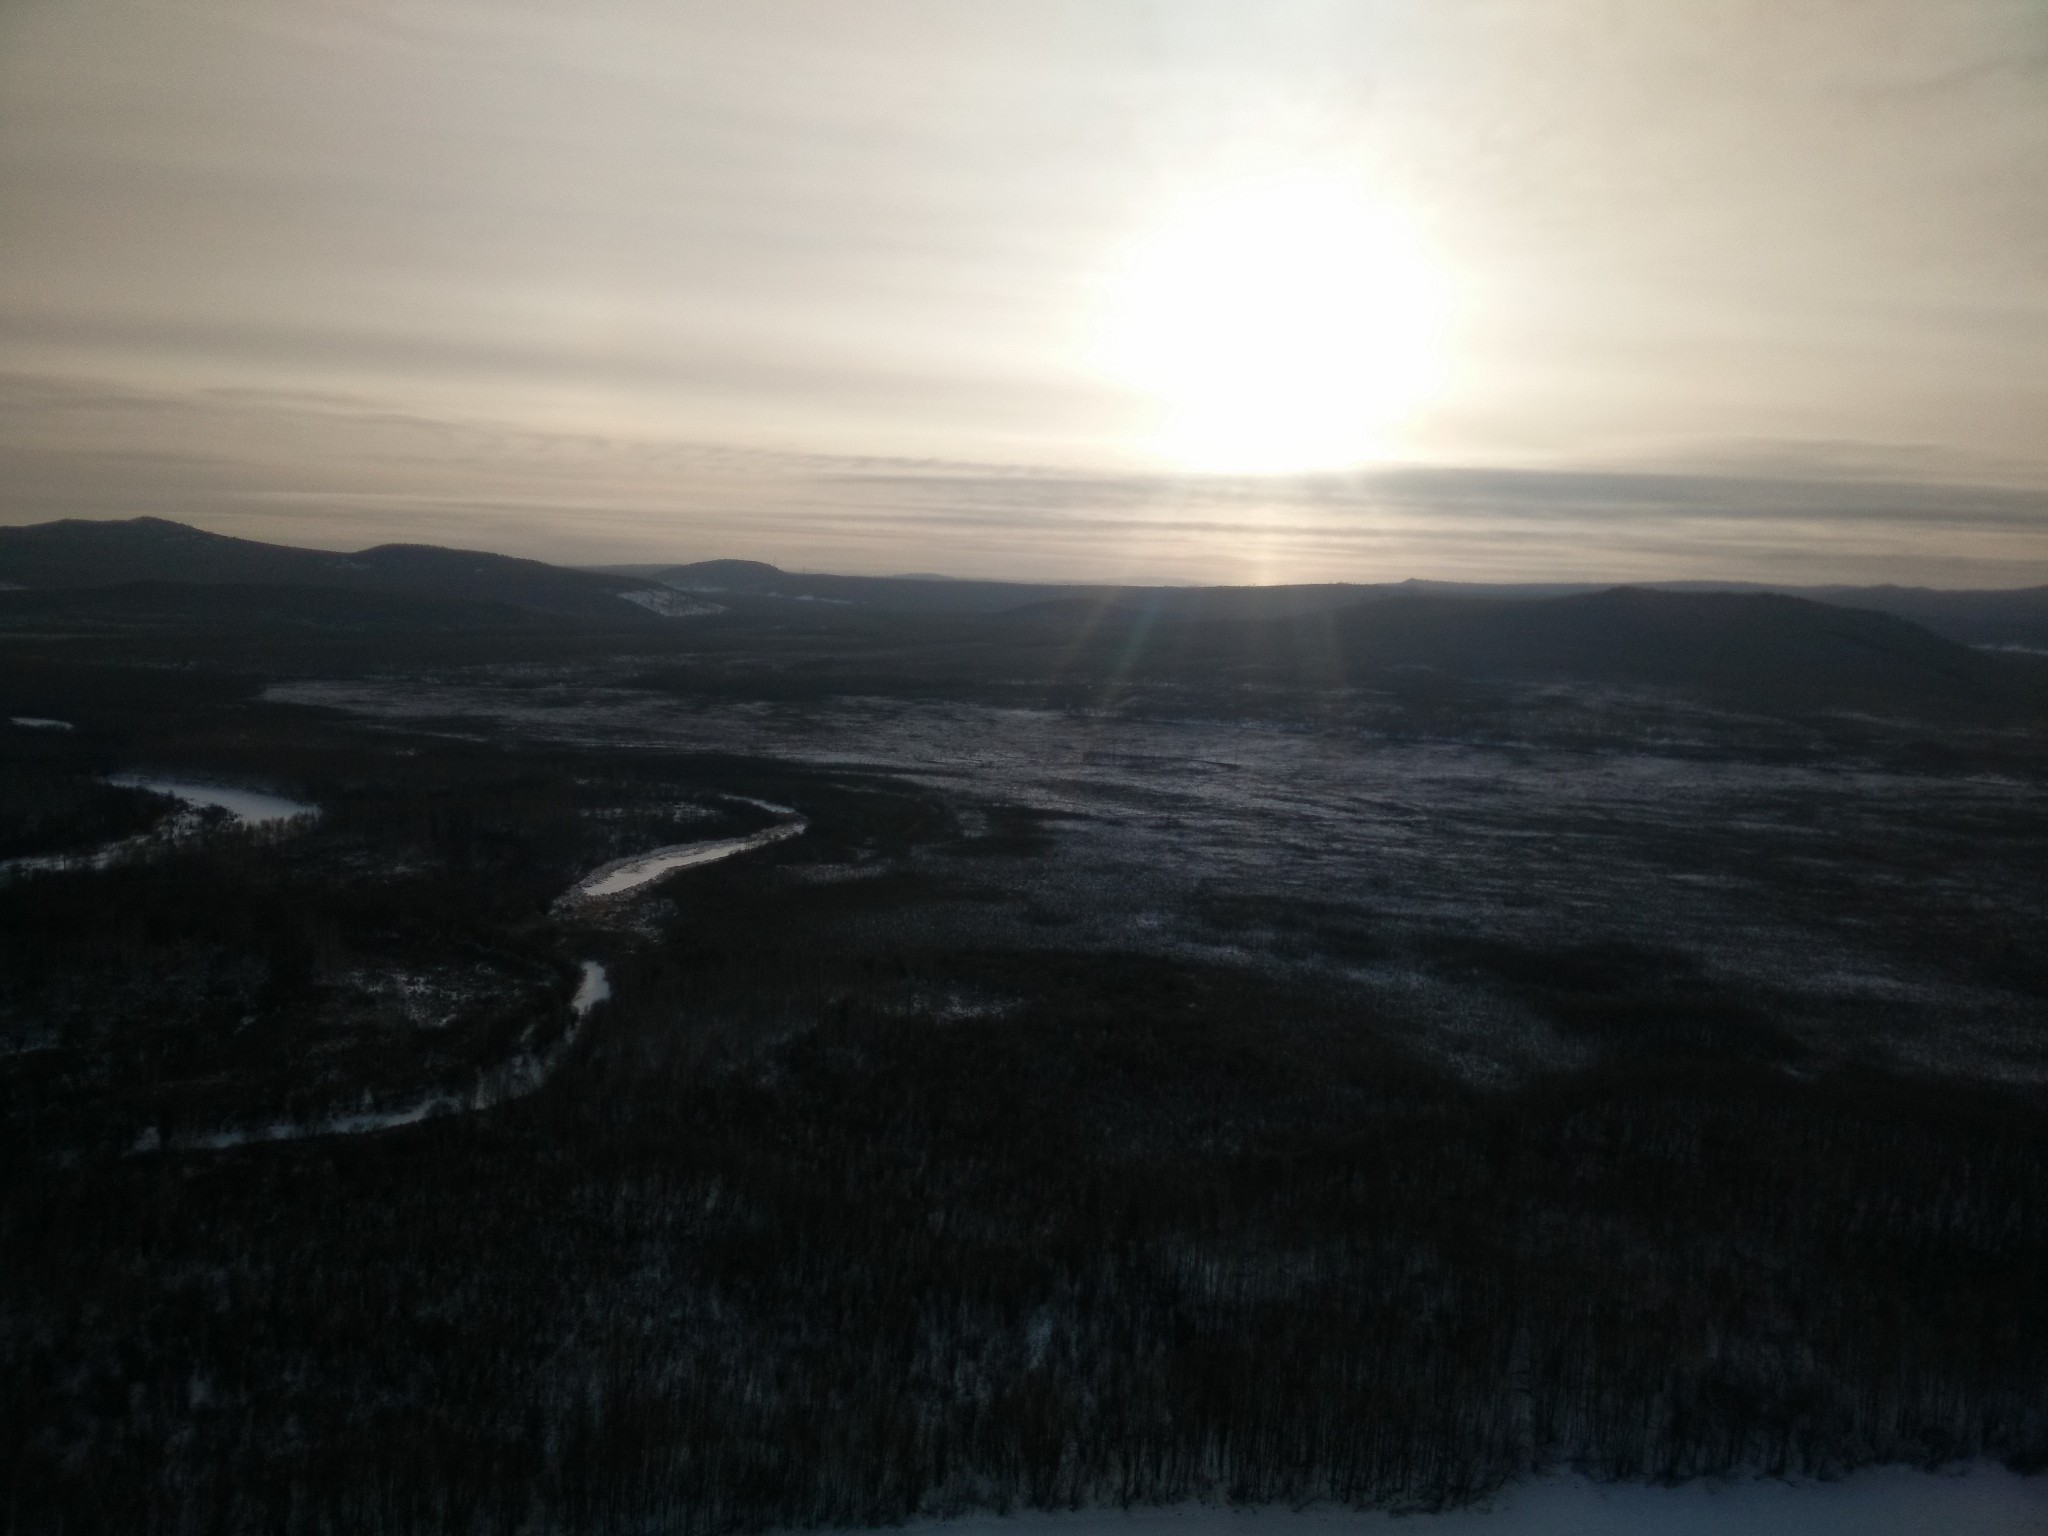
(1826, 903)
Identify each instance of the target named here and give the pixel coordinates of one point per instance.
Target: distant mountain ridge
(73, 553)
(921, 594)
(1746, 649)
(77, 554)
(2011, 617)
(1766, 648)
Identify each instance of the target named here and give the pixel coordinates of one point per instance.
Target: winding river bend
(510, 1079)
(252, 808)
(248, 807)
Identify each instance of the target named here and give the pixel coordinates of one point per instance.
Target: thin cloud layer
(341, 473)
(1738, 290)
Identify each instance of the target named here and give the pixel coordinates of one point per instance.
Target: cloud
(1739, 286)
(340, 472)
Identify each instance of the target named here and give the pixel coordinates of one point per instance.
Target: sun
(1278, 326)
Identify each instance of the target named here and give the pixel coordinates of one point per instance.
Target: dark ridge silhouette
(2018, 617)
(720, 575)
(80, 553)
(1750, 648)
(893, 594)
(1759, 644)
(76, 553)
(1753, 648)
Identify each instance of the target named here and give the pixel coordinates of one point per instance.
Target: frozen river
(624, 875)
(1889, 1501)
(248, 806)
(1768, 873)
(508, 1080)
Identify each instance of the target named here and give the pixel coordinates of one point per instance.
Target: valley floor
(1351, 1105)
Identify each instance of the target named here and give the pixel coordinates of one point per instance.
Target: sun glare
(1281, 326)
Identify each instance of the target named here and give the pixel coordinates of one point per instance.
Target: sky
(1187, 290)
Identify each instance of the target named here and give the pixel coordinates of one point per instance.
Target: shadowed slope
(221, 607)
(1756, 648)
(76, 553)
(1746, 641)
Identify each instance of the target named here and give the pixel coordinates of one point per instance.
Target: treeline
(398, 945)
(52, 799)
(829, 1219)
(41, 814)
(395, 947)
(1002, 1230)
(244, 981)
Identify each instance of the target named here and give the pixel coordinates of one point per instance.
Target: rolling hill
(880, 633)
(75, 553)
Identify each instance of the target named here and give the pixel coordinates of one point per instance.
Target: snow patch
(671, 605)
(622, 876)
(248, 806)
(594, 988)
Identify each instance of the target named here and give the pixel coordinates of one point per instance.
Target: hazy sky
(1190, 289)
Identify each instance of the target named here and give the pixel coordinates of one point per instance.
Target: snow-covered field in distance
(1799, 878)
(1890, 1501)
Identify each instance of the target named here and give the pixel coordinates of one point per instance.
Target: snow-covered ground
(1888, 1501)
(594, 988)
(1745, 863)
(629, 874)
(248, 806)
(512, 1079)
(670, 604)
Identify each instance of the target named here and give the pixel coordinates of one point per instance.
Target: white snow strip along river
(511, 1079)
(1980, 1500)
(624, 875)
(251, 807)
